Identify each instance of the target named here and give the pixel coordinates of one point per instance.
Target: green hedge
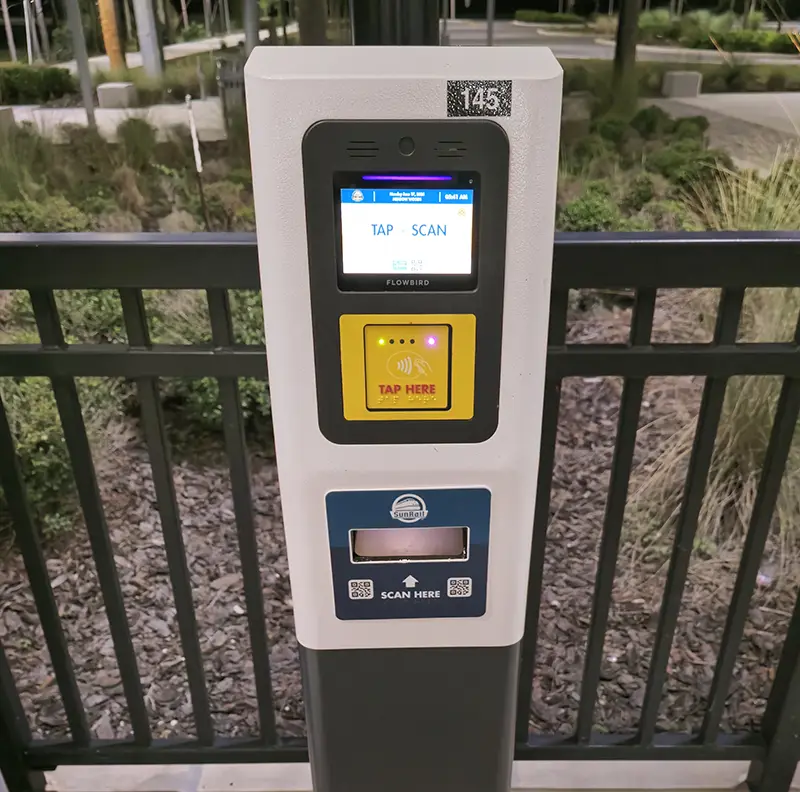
(744, 41)
(35, 84)
(595, 77)
(548, 17)
(695, 30)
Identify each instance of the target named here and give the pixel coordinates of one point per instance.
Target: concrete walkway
(594, 776)
(100, 63)
(753, 128)
(207, 114)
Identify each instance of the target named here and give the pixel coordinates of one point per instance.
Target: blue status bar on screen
(398, 196)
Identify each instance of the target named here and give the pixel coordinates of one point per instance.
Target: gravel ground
(585, 445)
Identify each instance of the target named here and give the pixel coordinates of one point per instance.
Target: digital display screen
(394, 227)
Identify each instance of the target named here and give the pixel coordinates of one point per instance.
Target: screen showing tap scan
(404, 229)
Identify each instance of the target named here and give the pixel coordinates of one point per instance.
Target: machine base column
(411, 720)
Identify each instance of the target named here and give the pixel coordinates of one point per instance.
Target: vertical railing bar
(11, 710)
(727, 325)
(559, 302)
(30, 547)
(15, 735)
(159, 453)
(627, 427)
(135, 317)
(80, 455)
(219, 311)
(780, 443)
(780, 725)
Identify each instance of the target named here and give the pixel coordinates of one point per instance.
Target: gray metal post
(81, 58)
(251, 14)
(489, 22)
(149, 44)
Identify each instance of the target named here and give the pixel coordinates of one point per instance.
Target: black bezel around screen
(381, 282)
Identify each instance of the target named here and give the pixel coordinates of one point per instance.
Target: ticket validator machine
(405, 203)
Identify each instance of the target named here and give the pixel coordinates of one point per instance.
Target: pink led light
(431, 341)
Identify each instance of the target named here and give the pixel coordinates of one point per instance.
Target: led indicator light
(381, 341)
(431, 341)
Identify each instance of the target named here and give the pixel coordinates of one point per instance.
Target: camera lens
(406, 146)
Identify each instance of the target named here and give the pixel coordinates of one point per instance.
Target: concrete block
(116, 95)
(681, 84)
(6, 118)
(576, 118)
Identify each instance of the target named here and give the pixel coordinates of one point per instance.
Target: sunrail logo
(409, 508)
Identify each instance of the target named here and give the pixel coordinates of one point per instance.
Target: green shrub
(577, 79)
(685, 162)
(548, 17)
(640, 191)
(670, 215)
(658, 25)
(611, 128)
(652, 122)
(691, 127)
(754, 20)
(182, 318)
(594, 77)
(595, 210)
(228, 207)
(34, 84)
(61, 44)
(48, 215)
(138, 140)
(41, 450)
(194, 32)
(590, 148)
(739, 40)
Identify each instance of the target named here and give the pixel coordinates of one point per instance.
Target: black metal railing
(218, 263)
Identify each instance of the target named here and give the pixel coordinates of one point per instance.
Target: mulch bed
(587, 428)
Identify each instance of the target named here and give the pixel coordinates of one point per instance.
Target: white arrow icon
(411, 582)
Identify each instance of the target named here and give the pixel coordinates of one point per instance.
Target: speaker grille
(362, 149)
(450, 148)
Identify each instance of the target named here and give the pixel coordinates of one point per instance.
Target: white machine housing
(288, 90)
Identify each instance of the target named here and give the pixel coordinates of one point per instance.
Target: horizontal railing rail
(217, 263)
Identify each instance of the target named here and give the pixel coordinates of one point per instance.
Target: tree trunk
(12, 47)
(251, 13)
(81, 58)
(625, 86)
(28, 38)
(149, 40)
(111, 41)
(313, 20)
(45, 42)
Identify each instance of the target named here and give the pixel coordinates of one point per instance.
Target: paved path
(571, 44)
(753, 128)
(207, 115)
(100, 63)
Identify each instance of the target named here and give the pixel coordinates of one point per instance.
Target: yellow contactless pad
(407, 367)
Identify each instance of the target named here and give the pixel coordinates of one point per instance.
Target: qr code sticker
(459, 587)
(362, 589)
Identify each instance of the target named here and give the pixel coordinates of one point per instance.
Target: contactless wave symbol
(405, 365)
(409, 365)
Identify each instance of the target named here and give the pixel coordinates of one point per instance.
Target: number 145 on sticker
(478, 98)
